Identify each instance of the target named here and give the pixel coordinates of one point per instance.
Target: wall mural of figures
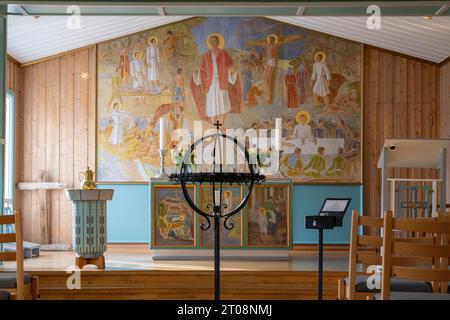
(242, 71)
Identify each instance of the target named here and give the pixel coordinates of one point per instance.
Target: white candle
(217, 197)
(162, 133)
(278, 124)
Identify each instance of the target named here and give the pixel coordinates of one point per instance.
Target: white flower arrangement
(178, 155)
(259, 157)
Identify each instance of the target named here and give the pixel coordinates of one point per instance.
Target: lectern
(331, 215)
(413, 153)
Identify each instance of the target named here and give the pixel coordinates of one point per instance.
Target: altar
(262, 230)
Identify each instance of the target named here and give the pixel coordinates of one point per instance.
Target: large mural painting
(244, 72)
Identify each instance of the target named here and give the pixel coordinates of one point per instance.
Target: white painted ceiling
(30, 39)
(415, 36)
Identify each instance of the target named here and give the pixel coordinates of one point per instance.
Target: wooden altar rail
(44, 203)
(182, 284)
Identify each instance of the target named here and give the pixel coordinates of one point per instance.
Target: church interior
(224, 150)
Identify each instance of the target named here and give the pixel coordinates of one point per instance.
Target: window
(8, 182)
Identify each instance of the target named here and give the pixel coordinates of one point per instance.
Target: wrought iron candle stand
(217, 179)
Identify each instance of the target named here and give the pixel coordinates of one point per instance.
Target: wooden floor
(132, 274)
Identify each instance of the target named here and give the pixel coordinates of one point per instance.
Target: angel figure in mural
(137, 71)
(272, 44)
(117, 132)
(215, 84)
(320, 80)
(152, 59)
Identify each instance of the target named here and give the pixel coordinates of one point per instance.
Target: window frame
(9, 123)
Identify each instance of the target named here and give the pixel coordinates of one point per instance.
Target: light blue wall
(128, 213)
(129, 220)
(307, 200)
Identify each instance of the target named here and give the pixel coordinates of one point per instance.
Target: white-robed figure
(152, 58)
(117, 132)
(302, 131)
(137, 70)
(320, 79)
(263, 223)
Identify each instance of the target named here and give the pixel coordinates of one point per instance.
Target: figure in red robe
(123, 68)
(302, 80)
(290, 83)
(215, 84)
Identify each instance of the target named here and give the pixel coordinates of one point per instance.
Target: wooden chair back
(366, 249)
(421, 260)
(356, 255)
(17, 256)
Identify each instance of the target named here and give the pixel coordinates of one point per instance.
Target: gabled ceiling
(233, 7)
(31, 39)
(421, 37)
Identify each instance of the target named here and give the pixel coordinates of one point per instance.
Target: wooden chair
(436, 254)
(365, 250)
(19, 284)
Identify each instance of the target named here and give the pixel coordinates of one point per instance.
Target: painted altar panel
(268, 216)
(232, 197)
(245, 71)
(173, 221)
(175, 226)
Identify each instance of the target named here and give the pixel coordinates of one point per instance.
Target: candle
(278, 124)
(217, 197)
(162, 133)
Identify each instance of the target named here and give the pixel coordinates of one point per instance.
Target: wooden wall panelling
(399, 102)
(66, 133)
(92, 110)
(370, 125)
(25, 204)
(39, 203)
(52, 146)
(444, 115)
(58, 140)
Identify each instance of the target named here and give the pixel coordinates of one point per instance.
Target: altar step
(179, 284)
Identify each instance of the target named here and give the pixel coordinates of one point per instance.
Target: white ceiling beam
(242, 4)
(161, 11)
(441, 10)
(301, 10)
(23, 11)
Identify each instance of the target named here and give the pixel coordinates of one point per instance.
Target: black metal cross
(217, 124)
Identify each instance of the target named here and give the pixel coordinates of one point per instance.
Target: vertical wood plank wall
(400, 101)
(55, 131)
(57, 138)
(444, 90)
